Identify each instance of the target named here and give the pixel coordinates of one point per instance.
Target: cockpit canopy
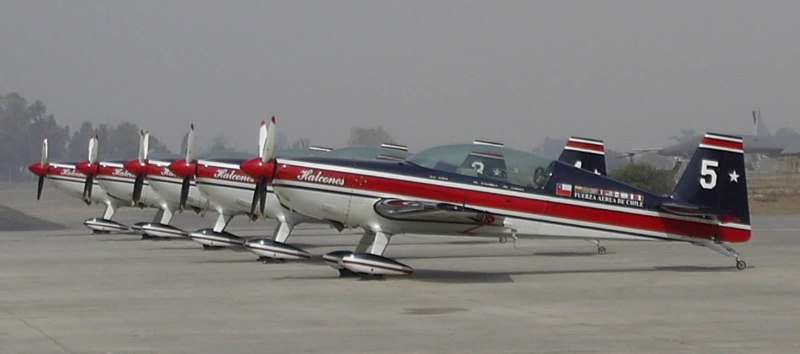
(487, 161)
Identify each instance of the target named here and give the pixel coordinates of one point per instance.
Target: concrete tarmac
(68, 291)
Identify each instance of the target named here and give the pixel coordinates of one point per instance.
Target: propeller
(41, 169)
(87, 186)
(255, 168)
(138, 183)
(189, 159)
(43, 162)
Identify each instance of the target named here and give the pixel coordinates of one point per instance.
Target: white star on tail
(734, 177)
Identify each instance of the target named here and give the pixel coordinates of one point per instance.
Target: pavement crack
(56, 342)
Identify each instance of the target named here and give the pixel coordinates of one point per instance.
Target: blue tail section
(587, 154)
(714, 184)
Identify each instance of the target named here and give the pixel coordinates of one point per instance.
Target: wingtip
(273, 119)
(192, 126)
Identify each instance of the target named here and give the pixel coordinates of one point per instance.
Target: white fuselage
(119, 184)
(350, 197)
(224, 185)
(168, 186)
(71, 182)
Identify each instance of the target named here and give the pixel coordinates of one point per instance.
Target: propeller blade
(140, 157)
(146, 145)
(45, 153)
(262, 138)
(40, 187)
(269, 145)
(190, 145)
(137, 189)
(87, 188)
(256, 194)
(184, 192)
(93, 150)
(262, 195)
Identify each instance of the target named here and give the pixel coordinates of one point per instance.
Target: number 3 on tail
(708, 177)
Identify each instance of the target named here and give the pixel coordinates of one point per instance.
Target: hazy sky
(430, 72)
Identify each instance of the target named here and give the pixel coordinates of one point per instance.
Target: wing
(412, 210)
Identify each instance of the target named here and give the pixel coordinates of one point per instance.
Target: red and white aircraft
(65, 177)
(491, 191)
(116, 182)
(224, 184)
(183, 190)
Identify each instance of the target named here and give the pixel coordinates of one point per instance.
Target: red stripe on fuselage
(585, 146)
(390, 186)
(736, 145)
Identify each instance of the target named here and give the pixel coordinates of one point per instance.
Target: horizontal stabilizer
(693, 210)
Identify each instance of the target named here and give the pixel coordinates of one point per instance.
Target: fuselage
(402, 197)
(168, 186)
(224, 184)
(69, 181)
(118, 183)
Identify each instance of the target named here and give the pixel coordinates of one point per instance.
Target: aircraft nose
(84, 167)
(133, 166)
(182, 168)
(38, 169)
(257, 169)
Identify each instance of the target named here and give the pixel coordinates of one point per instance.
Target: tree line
(23, 125)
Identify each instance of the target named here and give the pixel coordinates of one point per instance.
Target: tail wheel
(741, 264)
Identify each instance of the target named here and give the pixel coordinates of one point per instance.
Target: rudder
(715, 178)
(587, 154)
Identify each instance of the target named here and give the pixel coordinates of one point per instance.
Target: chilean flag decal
(564, 189)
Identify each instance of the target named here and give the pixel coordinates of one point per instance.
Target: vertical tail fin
(587, 154)
(715, 178)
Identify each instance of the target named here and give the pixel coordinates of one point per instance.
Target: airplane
(116, 182)
(66, 178)
(223, 182)
(490, 191)
(760, 143)
(183, 190)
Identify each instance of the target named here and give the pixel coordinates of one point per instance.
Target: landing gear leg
(725, 250)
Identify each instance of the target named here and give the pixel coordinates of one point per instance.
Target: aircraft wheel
(503, 240)
(740, 264)
(601, 250)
